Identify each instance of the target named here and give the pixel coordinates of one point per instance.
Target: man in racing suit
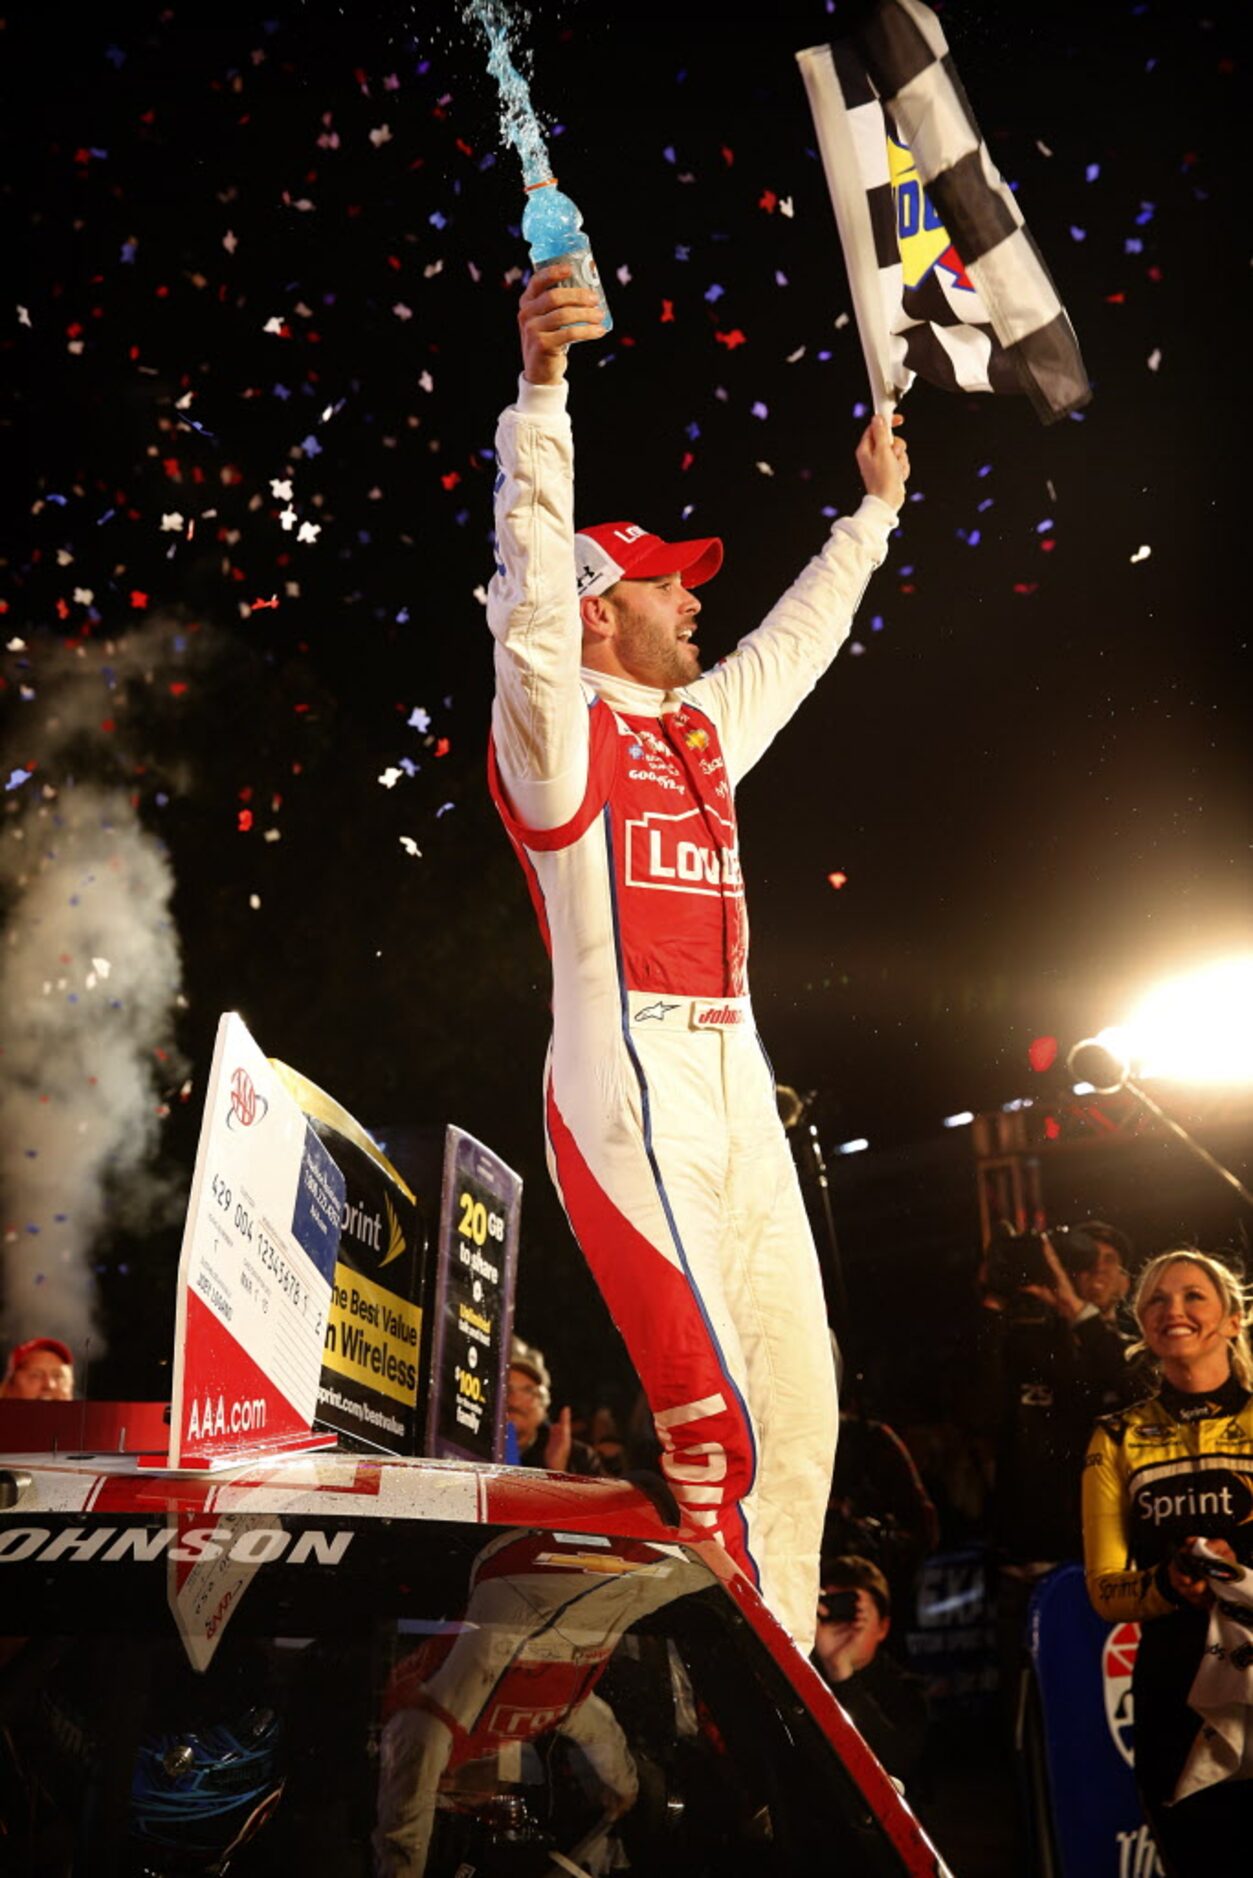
(616, 785)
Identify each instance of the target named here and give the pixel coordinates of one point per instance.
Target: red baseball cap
(21, 1353)
(613, 551)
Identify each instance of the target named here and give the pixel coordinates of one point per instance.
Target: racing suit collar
(623, 694)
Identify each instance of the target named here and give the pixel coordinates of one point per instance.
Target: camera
(1015, 1259)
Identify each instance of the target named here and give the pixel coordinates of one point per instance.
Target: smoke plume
(89, 981)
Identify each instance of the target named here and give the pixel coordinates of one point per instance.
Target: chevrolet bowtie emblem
(657, 1011)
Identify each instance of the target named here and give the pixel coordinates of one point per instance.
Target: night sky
(279, 246)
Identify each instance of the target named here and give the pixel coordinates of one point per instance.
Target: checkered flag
(946, 281)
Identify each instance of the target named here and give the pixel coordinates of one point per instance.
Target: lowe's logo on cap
(614, 551)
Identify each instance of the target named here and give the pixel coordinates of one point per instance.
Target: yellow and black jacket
(1156, 1474)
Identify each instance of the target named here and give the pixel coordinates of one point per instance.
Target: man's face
(1106, 1284)
(523, 1406)
(860, 1638)
(42, 1378)
(656, 621)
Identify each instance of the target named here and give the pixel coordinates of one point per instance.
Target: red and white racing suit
(664, 1137)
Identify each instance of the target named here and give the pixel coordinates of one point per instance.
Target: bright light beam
(1195, 1029)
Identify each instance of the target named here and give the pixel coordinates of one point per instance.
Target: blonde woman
(1172, 1468)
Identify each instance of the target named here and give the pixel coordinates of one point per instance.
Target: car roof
(339, 1482)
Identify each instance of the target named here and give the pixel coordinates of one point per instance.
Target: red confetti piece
(1042, 1053)
(107, 725)
(177, 687)
(245, 821)
(728, 155)
(667, 312)
(1047, 545)
(451, 480)
(1052, 1128)
(732, 339)
(138, 600)
(1026, 586)
(443, 747)
(768, 201)
(1115, 299)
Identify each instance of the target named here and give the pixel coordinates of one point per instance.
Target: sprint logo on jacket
(674, 853)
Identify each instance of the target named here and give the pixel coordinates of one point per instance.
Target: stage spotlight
(1196, 1029)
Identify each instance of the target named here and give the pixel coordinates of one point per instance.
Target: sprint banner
(372, 1354)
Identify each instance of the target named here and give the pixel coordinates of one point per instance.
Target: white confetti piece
(230, 241)
(1155, 358)
(1141, 554)
(171, 523)
(309, 531)
(23, 316)
(410, 846)
(380, 136)
(280, 488)
(274, 325)
(391, 777)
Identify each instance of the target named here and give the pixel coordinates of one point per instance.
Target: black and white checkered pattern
(996, 326)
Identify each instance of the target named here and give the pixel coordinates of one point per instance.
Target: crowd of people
(1115, 1407)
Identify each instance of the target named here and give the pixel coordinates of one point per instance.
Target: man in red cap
(41, 1370)
(616, 784)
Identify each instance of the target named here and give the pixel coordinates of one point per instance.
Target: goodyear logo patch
(920, 234)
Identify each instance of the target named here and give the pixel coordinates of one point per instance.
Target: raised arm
(539, 717)
(754, 692)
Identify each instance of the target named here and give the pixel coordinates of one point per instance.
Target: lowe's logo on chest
(675, 853)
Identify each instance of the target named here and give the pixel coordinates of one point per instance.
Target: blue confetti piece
(445, 808)
(1042, 528)
(668, 154)
(861, 410)
(1133, 245)
(17, 777)
(128, 252)
(876, 624)
(311, 446)
(1092, 172)
(1147, 211)
(1078, 234)
(714, 293)
(281, 391)
(984, 469)
(760, 409)
(61, 501)
(437, 220)
(419, 719)
(408, 765)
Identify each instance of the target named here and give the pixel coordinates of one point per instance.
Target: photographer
(885, 1703)
(1053, 1357)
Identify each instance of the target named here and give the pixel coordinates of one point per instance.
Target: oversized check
(254, 1281)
